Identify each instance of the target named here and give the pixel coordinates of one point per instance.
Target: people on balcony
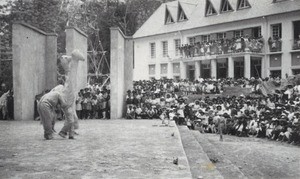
(222, 46)
(296, 44)
(274, 44)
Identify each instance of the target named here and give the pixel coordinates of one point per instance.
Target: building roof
(195, 12)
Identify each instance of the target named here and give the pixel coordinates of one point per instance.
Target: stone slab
(200, 164)
(104, 149)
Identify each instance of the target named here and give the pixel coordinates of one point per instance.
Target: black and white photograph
(149, 89)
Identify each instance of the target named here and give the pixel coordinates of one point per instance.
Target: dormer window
(243, 4)
(210, 10)
(169, 18)
(225, 6)
(181, 14)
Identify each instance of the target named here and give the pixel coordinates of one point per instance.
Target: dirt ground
(103, 149)
(250, 157)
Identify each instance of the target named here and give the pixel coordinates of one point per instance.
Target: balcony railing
(295, 44)
(275, 44)
(222, 47)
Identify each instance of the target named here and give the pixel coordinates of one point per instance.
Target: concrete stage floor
(103, 149)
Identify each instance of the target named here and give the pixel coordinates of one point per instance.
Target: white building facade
(190, 39)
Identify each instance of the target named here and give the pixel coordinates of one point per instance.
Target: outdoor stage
(103, 149)
(139, 149)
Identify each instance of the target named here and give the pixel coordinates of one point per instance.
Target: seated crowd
(275, 116)
(223, 46)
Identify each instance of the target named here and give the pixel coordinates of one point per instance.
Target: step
(200, 164)
(226, 167)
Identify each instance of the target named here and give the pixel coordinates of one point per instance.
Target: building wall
(34, 67)
(142, 45)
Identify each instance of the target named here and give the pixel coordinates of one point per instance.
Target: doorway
(191, 72)
(296, 29)
(238, 69)
(255, 67)
(222, 69)
(205, 70)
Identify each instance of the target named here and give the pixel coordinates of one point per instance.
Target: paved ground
(104, 149)
(237, 157)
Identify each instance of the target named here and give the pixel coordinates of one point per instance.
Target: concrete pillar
(76, 39)
(157, 71)
(287, 29)
(230, 67)
(121, 68)
(247, 66)
(197, 70)
(51, 61)
(213, 68)
(128, 64)
(34, 67)
(263, 67)
(170, 70)
(117, 78)
(265, 32)
(182, 70)
(266, 69)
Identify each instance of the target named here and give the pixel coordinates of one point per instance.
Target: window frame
(192, 40)
(177, 43)
(244, 7)
(181, 14)
(165, 49)
(279, 30)
(152, 56)
(228, 6)
(150, 67)
(241, 32)
(206, 37)
(223, 35)
(210, 7)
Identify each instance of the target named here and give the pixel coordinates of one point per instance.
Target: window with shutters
(276, 30)
(153, 50)
(165, 48)
(177, 46)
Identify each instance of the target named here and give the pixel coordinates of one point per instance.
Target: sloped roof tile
(196, 15)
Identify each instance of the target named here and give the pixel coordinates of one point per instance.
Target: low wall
(121, 71)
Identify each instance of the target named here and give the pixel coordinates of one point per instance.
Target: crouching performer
(46, 109)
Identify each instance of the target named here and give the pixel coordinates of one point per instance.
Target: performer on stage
(46, 109)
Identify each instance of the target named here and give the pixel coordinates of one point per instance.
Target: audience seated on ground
(274, 116)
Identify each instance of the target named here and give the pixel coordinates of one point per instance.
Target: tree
(94, 17)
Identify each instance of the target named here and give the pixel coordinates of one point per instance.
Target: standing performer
(70, 65)
(46, 109)
(221, 125)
